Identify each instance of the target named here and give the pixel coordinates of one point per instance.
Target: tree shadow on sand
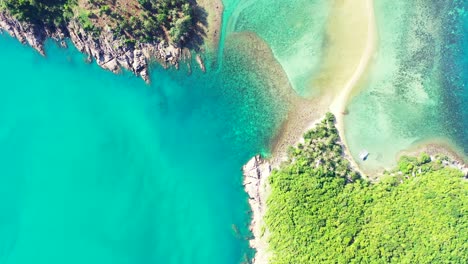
(200, 23)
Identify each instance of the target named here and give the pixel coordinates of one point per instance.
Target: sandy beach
(436, 146)
(351, 43)
(338, 107)
(213, 15)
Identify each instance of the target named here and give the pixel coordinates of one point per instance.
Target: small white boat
(364, 155)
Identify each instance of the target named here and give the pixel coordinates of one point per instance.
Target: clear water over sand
(417, 87)
(294, 30)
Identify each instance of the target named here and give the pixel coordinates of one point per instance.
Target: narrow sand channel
(338, 107)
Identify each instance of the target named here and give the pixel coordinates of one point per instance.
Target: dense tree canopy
(133, 20)
(319, 211)
(43, 12)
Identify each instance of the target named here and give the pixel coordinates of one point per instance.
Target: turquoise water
(417, 88)
(295, 31)
(455, 79)
(102, 168)
(417, 85)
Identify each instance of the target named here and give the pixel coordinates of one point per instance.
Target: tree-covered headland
(42, 12)
(134, 20)
(321, 211)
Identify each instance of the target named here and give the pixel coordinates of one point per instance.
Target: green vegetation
(320, 211)
(49, 13)
(173, 16)
(133, 20)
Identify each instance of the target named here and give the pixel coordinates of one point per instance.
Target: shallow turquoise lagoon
(417, 87)
(295, 30)
(102, 168)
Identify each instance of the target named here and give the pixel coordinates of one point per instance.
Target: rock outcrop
(200, 62)
(25, 33)
(256, 173)
(109, 51)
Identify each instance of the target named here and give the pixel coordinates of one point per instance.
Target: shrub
(424, 158)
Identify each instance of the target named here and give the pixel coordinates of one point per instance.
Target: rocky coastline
(109, 52)
(256, 172)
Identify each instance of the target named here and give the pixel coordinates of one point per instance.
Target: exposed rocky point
(256, 173)
(109, 52)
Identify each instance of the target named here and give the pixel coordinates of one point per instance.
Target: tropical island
(315, 207)
(310, 202)
(117, 34)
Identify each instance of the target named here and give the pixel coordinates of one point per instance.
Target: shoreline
(338, 107)
(438, 146)
(111, 53)
(433, 146)
(256, 173)
(304, 115)
(255, 181)
(212, 29)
